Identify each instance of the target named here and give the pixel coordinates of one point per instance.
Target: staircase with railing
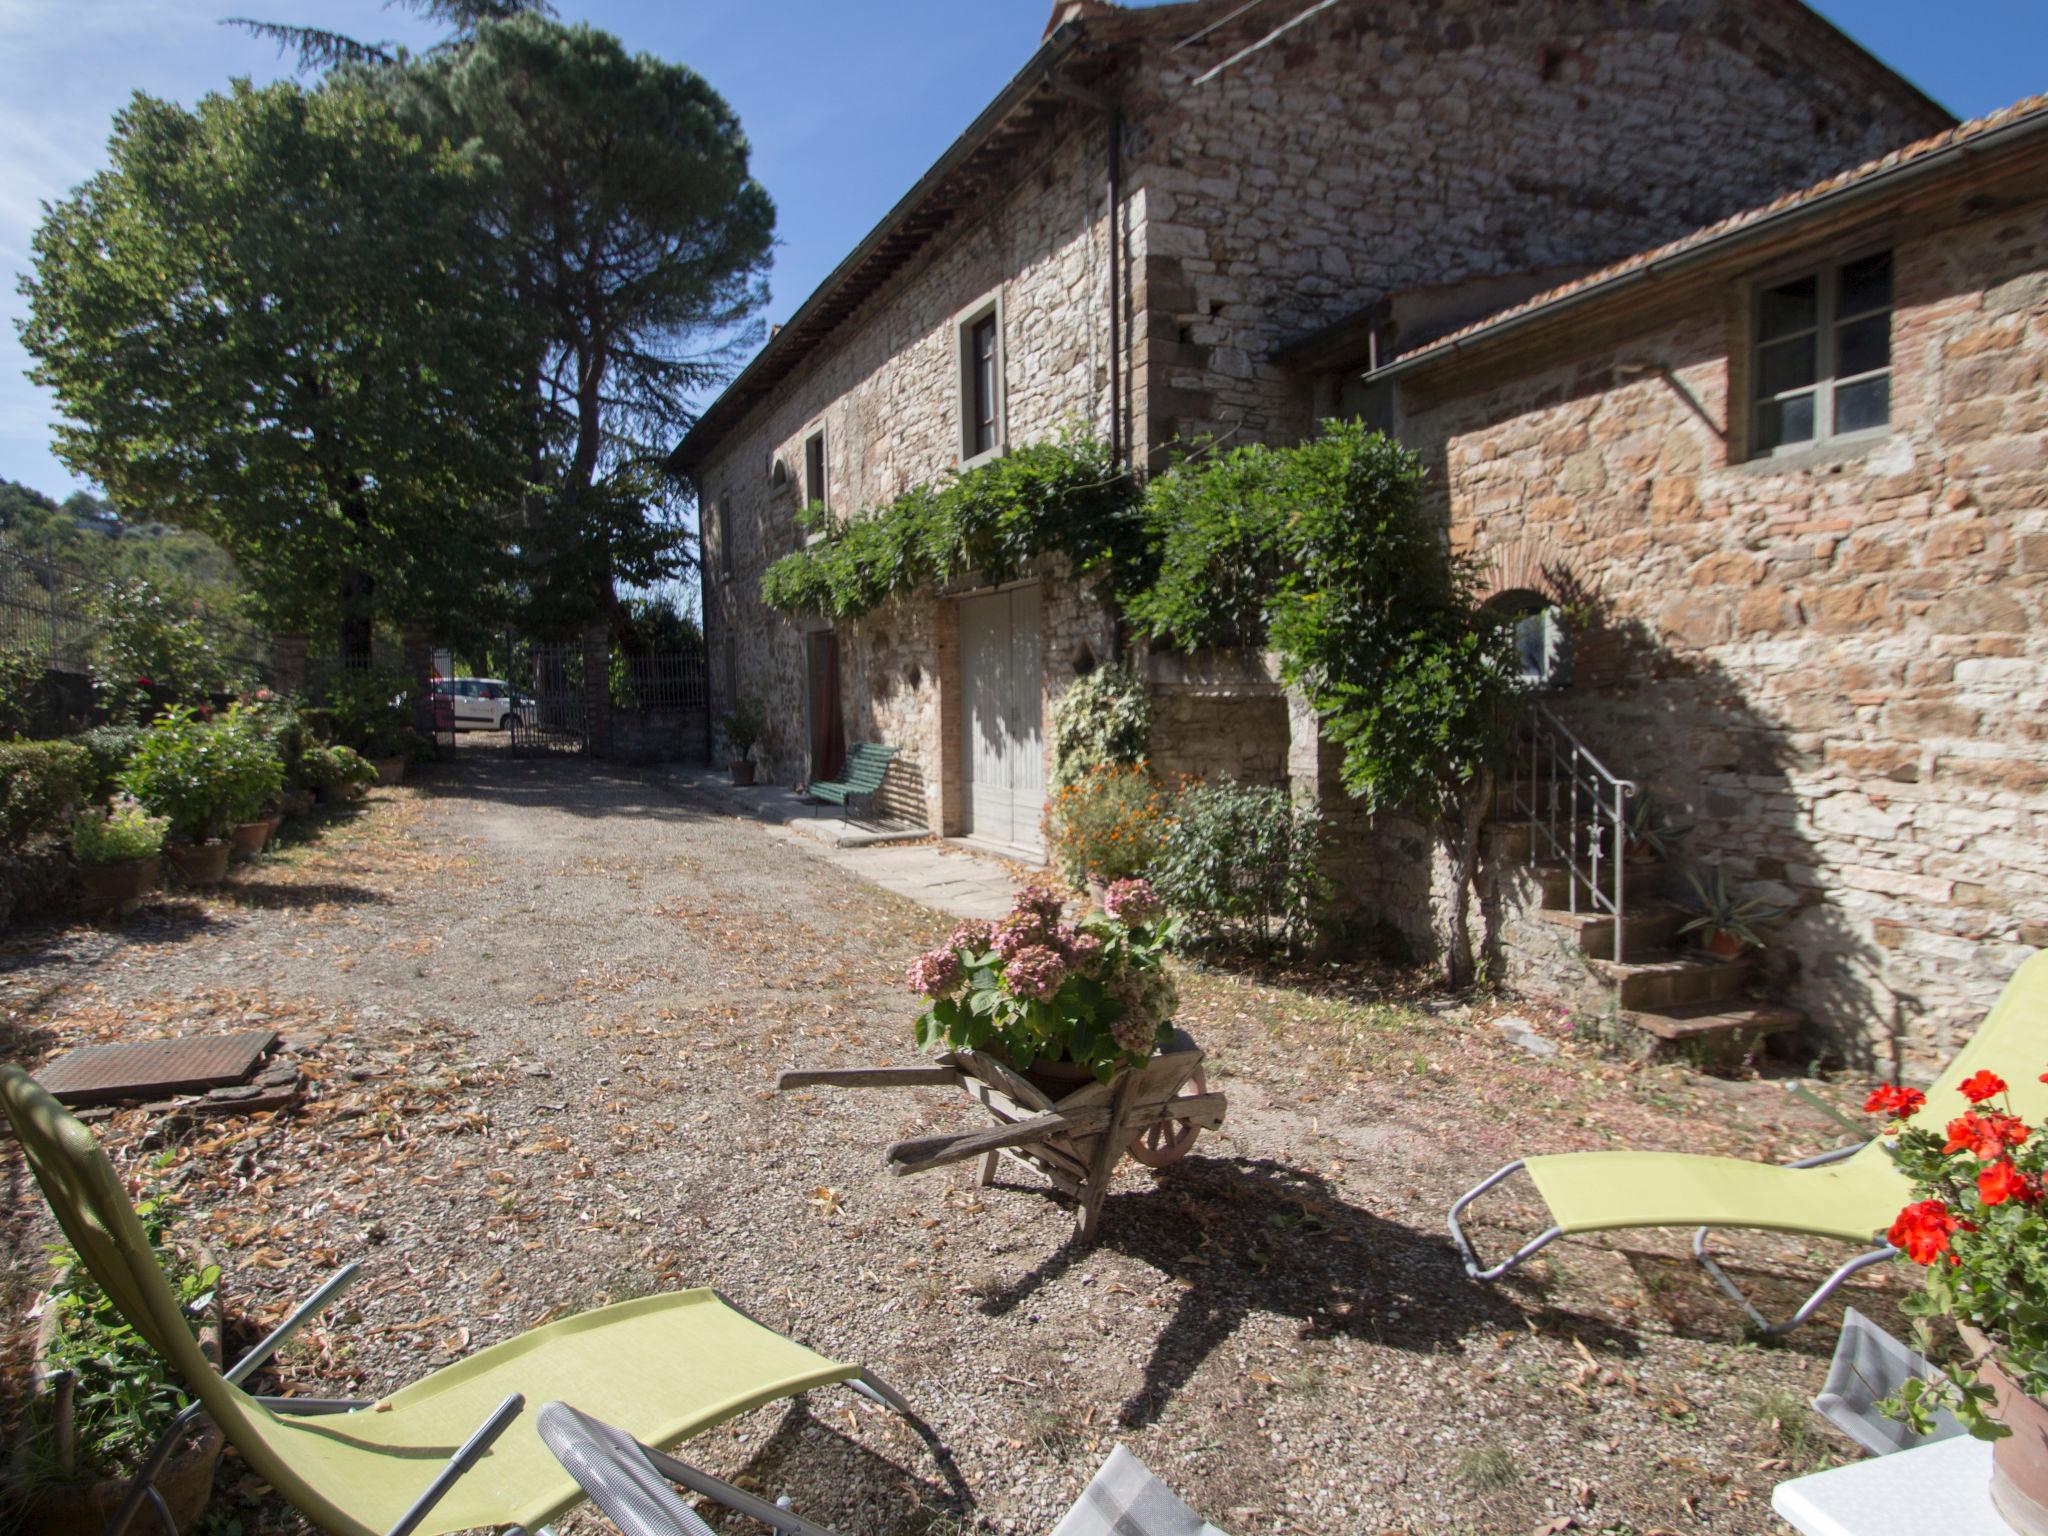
(1583, 889)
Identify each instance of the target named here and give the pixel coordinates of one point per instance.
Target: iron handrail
(1578, 813)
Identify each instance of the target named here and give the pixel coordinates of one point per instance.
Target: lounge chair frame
(1701, 1255)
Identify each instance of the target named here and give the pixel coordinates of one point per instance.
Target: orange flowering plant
(1977, 1227)
(1110, 823)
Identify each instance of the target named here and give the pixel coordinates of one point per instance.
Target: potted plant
(1977, 1227)
(202, 778)
(1727, 923)
(1648, 830)
(1061, 1002)
(117, 853)
(104, 1395)
(337, 773)
(258, 770)
(1108, 823)
(743, 730)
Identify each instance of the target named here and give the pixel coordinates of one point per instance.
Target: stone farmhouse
(1230, 219)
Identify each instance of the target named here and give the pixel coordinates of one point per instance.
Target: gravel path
(543, 1004)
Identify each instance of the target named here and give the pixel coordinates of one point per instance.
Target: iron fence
(43, 613)
(664, 680)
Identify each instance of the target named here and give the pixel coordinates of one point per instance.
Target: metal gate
(548, 705)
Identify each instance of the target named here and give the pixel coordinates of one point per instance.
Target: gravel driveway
(543, 1005)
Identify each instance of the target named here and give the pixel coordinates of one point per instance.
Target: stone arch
(1536, 566)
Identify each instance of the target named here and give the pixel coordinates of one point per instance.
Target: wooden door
(827, 720)
(1003, 738)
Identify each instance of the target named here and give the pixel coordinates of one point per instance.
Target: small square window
(1820, 366)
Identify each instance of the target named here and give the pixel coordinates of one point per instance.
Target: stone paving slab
(898, 858)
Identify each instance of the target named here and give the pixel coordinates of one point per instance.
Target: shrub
(333, 768)
(1105, 717)
(1220, 530)
(1109, 824)
(275, 718)
(360, 713)
(41, 784)
(154, 650)
(124, 833)
(111, 746)
(203, 778)
(1241, 864)
(21, 687)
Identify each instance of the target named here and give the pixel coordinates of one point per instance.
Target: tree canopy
(278, 318)
(638, 245)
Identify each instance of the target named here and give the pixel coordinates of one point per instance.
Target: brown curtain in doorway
(828, 722)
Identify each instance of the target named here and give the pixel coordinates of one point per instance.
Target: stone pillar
(419, 672)
(597, 690)
(288, 663)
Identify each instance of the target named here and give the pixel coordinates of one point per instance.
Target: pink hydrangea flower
(934, 973)
(1035, 971)
(1131, 901)
(971, 935)
(1040, 903)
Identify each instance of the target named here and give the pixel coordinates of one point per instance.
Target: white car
(483, 703)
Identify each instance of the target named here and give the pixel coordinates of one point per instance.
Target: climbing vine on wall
(990, 523)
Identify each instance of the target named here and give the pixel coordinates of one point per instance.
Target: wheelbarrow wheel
(1165, 1142)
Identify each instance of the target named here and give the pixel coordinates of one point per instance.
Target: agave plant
(1726, 921)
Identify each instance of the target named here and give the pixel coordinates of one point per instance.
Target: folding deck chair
(630, 1483)
(456, 1449)
(1852, 1193)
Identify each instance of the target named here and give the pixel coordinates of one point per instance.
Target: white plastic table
(1945, 1486)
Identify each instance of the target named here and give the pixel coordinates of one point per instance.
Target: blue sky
(846, 102)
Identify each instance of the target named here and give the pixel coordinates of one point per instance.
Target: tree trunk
(358, 616)
(1473, 806)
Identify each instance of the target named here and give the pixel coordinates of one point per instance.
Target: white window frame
(1827, 328)
(989, 306)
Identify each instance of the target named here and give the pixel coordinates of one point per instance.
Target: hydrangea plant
(1039, 987)
(1977, 1227)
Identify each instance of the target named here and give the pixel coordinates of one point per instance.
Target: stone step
(1650, 928)
(1660, 981)
(1643, 876)
(1710, 1035)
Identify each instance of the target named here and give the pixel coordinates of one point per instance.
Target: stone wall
(1383, 149)
(1836, 660)
(1216, 717)
(660, 735)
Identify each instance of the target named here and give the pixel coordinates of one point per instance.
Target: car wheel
(505, 721)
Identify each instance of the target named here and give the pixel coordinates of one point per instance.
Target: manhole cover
(108, 1074)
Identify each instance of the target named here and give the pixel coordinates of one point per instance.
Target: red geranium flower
(1923, 1230)
(2000, 1181)
(143, 682)
(1988, 1136)
(1896, 1102)
(1985, 1085)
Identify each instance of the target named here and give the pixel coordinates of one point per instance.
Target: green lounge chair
(457, 1449)
(1852, 1193)
(860, 778)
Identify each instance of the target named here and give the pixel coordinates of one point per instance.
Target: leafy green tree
(1377, 621)
(319, 48)
(639, 245)
(278, 319)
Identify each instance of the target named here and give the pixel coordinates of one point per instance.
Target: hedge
(42, 785)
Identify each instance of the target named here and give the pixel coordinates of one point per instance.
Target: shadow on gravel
(574, 786)
(1253, 1234)
(820, 1470)
(318, 893)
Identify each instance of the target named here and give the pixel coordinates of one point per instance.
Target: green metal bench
(859, 779)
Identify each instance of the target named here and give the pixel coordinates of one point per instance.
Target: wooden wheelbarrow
(1153, 1112)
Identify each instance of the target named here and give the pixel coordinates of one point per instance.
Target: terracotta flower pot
(199, 863)
(743, 771)
(298, 801)
(83, 1508)
(248, 839)
(113, 885)
(2019, 1462)
(1723, 946)
(390, 770)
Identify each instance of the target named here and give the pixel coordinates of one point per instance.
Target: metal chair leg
(1807, 1308)
(1470, 1255)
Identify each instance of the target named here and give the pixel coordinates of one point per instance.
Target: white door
(1001, 689)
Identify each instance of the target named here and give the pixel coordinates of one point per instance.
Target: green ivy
(1219, 530)
(1067, 496)
(1102, 718)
